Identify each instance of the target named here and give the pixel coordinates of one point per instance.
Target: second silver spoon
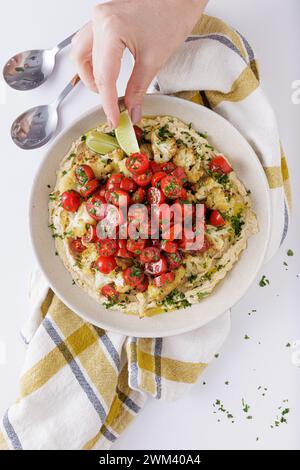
(35, 127)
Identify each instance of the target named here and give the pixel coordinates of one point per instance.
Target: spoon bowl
(35, 127)
(29, 69)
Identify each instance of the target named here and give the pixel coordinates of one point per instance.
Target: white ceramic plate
(226, 139)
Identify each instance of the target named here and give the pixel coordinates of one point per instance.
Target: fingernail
(136, 113)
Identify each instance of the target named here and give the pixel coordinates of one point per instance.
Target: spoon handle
(65, 42)
(67, 89)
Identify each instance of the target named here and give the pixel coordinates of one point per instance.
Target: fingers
(81, 54)
(141, 77)
(107, 54)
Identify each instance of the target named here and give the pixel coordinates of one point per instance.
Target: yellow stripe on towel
(274, 176)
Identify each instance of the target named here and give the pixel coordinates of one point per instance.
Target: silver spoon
(28, 70)
(35, 127)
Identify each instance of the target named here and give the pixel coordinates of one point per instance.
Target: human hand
(151, 29)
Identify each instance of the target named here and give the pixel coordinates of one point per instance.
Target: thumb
(141, 77)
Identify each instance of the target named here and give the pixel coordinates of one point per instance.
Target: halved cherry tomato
(143, 285)
(71, 200)
(220, 165)
(122, 250)
(183, 193)
(114, 181)
(168, 167)
(168, 246)
(76, 245)
(118, 197)
(216, 219)
(139, 133)
(138, 196)
(155, 196)
(107, 247)
(171, 187)
(109, 291)
(150, 254)
(137, 163)
(101, 192)
(157, 177)
(88, 189)
(90, 236)
(127, 184)
(84, 173)
(133, 276)
(136, 246)
(173, 233)
(155, 167)
(180, 174)
(174, 260)
(144, 179)
(156, 268)
(165, 278)
(96, 207)
(106, 264)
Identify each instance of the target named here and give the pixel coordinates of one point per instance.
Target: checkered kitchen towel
(81, 386)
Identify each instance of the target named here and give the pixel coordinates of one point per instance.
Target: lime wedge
(125, 134)
(101, 143)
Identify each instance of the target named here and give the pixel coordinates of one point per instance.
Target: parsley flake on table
(290, 252)
(264, 281)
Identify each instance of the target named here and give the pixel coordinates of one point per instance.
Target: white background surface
(272, 27)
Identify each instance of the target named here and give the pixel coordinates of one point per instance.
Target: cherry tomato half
(155, 196)
(143, 285)
(107, 247)
(157, 177)
(216, 219)
(76, 246)
(165, 278)
(150, 254)
(220, 165)
(155, 167)
(173, 233)
(156, 268)
(84, 173)
(171, 187)
(180, 174)
(167, 167)
(138, 133)
(136, 246)
(137, 163)
(168, 246)
(174, 260)
(106, 264)
(139, 196)
(71, 200)
(144, 179)
(88, 189)
(109, 291)
(96, 207)
(90, 236)
(127, 184)
(122, 250)
(133, 276)
(118, 197)
(114, 181)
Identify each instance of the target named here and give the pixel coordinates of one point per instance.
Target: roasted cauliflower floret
(164, 148)
(146, 149)
(216, 199)
(186, 158)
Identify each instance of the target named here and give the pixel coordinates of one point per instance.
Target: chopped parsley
(237, 223)
(176, 300)
(290, 252)
(164, 132)
(264, 281)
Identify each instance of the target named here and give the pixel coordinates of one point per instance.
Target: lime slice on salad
(100, 142)
(125, 134)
